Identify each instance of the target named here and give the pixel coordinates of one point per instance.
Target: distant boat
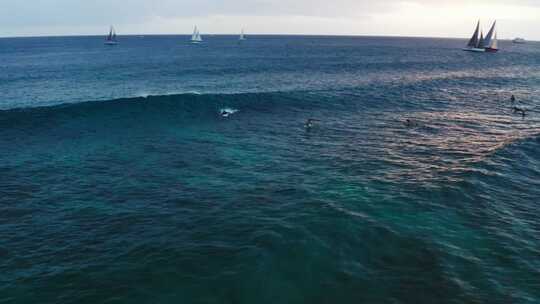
(196, 37)
(479, 43)
(519, 41)
(242, 36)
(111, 38)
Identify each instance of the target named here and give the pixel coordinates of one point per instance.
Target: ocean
(121, 183)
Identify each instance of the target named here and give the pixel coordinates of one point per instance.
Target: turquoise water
(120, 182)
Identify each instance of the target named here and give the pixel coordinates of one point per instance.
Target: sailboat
(196, 37)
(111, 38)
(491, 44)
(242, 36)
(479, 43)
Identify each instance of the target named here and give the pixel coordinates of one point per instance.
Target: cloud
(398, 17)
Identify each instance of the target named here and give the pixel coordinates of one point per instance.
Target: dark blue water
(120, 183)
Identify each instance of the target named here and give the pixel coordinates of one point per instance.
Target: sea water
(120, 182)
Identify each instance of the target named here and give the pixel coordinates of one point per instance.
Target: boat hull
(490, 50)
(111, 43)
(476, 50)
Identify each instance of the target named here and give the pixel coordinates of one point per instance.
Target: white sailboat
(196, 37)
(479, 43)
(111, 38)
(242, 36)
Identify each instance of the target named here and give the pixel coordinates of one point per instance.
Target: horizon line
(251, 34)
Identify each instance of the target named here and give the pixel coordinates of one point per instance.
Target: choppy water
(120, 182)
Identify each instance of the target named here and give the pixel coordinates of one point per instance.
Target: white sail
(494, 42)
(491, 37)
(242, 35)
(196, 37)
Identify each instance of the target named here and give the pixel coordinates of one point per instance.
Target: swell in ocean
(159, 199)
(464, 131)
(98, 197)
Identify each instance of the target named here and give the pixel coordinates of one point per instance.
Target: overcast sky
(433, 18)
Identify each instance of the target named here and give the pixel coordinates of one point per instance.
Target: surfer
(410, 123)
(513, 99)
(227, 112)
(310, 123)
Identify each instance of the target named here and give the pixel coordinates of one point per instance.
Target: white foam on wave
(170, 93)
(143, 94)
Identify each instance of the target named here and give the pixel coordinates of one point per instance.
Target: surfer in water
(410, 123)
(226, 112)
(513, 99)
(310, 123)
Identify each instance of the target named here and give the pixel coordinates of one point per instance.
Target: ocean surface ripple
(121, 183)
